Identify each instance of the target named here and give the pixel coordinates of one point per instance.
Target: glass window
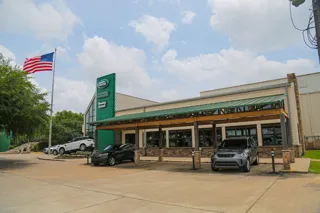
(180, 138)
(153, 139)
(234, 144)
(239, 131)
(130, 138)
(205, 137)
(271, 135)
(231, 132)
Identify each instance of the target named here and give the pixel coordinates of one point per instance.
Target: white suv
(81, 143)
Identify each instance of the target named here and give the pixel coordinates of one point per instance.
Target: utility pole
(316, 15)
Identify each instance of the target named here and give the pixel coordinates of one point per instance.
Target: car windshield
(108, 148)
(234, 144)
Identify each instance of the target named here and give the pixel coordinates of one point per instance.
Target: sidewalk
(203, 160)
(50, 158)
(301, 165)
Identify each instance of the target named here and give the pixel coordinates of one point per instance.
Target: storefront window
(205, 137)
(130, 138)
(153, 139)
(180, 138)
(271, 135)
(242, 131)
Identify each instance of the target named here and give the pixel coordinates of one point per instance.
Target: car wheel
(83, 147)
(256, 162)
(214, 169)
(246, 168)
(111, 161)
(55, 152)
(61, 151)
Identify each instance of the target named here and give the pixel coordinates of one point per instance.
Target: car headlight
(243, 154)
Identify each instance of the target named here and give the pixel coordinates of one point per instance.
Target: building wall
(309, 83)
(238, 88)
(193, 102)
(126, 102)
(310, 113)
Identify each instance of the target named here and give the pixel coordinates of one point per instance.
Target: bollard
(193, 166)
(272, 156)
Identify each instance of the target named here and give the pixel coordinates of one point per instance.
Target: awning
(228, 107)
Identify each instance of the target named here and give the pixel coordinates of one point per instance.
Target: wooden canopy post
(160, 145)
(196, 135)
(196, 153)
(214, 135)
(137, 150)
(284, 131)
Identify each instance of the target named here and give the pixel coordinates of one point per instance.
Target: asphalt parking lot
(31, 185)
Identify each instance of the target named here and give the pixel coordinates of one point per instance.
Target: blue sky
(160, 49)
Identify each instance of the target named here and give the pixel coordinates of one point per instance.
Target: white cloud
(231, 67)
(100, 57)
(155, 30)
(169, 95)
(7, 53)
(151, 2)
(260, 24)
(188, 16)
(72, 94)
(46, 21)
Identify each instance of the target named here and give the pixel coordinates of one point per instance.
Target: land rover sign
(102, 84)
(105, 107)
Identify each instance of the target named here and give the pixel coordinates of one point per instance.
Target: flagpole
(52, 92)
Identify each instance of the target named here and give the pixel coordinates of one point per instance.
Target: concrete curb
(40, 158)
(293, 172)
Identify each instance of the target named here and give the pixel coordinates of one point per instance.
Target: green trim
(194, 109)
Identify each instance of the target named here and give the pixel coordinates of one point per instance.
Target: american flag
(39, 63)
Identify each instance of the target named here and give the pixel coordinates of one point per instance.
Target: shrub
(34, 148)
(12, 146)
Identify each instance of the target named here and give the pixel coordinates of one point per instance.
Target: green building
(4, 141)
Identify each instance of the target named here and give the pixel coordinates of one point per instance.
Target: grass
(314, 167)
(313, 154)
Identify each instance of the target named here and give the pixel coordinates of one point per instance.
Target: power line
(290, 6)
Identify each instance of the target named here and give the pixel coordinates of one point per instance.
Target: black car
(113, 153)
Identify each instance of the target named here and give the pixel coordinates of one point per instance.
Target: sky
(160, 50)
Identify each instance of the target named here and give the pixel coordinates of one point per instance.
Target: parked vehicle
(238, 152)
(53, 150)
(76, 144)
(112, 154)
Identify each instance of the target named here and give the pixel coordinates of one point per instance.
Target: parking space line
(262, 194)
(94, 205)
(118, 195)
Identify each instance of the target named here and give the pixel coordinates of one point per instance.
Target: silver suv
(238, 152)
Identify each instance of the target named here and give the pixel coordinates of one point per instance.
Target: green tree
(23, 108)
(66, 125)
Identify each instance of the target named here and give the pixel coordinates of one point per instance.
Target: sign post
(105, 108)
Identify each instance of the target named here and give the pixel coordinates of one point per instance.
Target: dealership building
(280, 114)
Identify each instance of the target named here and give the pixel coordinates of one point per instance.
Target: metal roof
(194, 109)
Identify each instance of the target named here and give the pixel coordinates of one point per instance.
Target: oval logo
(102, 83)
